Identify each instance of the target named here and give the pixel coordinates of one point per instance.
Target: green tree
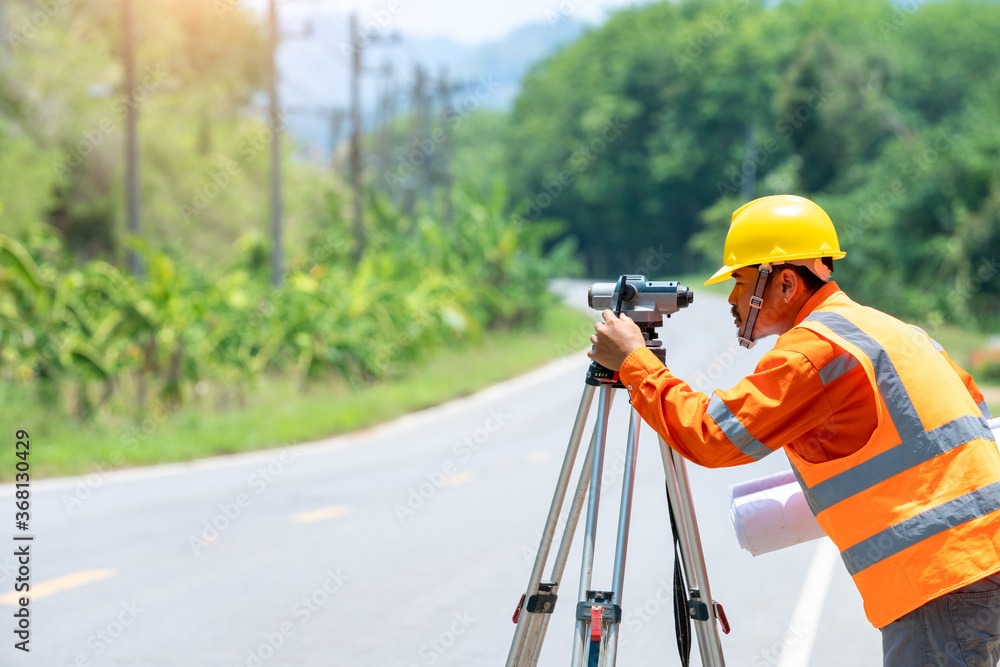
(627, 133)
(867, 107)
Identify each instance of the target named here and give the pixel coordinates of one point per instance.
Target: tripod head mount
(646, 302)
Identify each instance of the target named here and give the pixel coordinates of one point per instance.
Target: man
(885, 433)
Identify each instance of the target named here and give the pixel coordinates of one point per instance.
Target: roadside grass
(279, 412)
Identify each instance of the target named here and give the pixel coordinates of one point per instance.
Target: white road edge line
(573, 363)
(798, 641)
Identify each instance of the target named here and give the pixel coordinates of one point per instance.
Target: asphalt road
(406, 545)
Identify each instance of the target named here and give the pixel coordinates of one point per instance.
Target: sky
(471, 21)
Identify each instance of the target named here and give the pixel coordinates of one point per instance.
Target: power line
(131, 135)
(275, 117)
(274, 105)
(355, 159)
(357, 46)
(4, 32)
(444, 91)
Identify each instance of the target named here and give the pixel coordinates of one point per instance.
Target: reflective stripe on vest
(890, 386)
(734, 429)
(936, 520)
(839, 365)
(918, 446)
(890, 463)
(915, 511)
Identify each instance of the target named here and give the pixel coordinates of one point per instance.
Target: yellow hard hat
(779, 228)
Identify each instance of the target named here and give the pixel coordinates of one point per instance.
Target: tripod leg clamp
(543, 602)
(610, 613)
(697, 610)
(597, 613)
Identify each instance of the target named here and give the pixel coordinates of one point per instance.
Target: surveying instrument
(599, 613)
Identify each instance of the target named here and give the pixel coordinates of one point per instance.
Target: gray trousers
(960, 628)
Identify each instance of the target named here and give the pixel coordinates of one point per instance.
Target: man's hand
(616, 338)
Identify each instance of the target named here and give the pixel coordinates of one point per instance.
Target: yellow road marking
(539, 457)
(52, 586)
(459, 478)
(321, 514)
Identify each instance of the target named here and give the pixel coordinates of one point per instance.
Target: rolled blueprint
(770, 513)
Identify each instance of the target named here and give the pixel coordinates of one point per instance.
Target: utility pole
(444, 91)
(131, 135)
(423, 103)
(4, 34)
(275, 122)
(359, 220)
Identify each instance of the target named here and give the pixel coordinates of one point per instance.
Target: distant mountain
(315, 57)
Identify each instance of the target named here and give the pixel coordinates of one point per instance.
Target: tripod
(599, 613)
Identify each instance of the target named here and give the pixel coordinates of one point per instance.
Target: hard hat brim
(726, 272)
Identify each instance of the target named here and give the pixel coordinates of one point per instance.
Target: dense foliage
(81, 331)
(653, 128)
(83, 334)
(639, 138)
(199, 67)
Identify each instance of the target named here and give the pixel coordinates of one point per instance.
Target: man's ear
(789, 283)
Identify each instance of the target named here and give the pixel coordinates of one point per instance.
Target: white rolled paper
(770, 513)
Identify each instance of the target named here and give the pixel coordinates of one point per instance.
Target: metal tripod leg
(539, 599)
(573, 519)
(535, 608)
(703, 609)
(624, 519)
(608, 603)
(580, 643)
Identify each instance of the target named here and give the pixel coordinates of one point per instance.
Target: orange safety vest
(915, 513)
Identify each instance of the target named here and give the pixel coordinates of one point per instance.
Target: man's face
(739, 299)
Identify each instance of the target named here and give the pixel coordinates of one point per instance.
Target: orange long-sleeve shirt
(807, 393)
